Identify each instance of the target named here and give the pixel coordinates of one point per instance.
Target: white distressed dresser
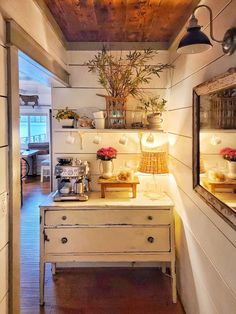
(107, 230)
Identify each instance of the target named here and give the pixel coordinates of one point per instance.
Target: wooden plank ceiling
(120, 20)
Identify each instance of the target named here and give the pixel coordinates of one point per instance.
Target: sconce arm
(211, 20)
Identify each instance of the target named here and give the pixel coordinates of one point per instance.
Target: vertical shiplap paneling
(206, 245)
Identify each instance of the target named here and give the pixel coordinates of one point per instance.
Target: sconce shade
(194, 41)
(155, 163)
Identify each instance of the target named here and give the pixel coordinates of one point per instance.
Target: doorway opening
(34, 131)
(35, 84)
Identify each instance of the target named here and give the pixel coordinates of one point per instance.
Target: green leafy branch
(152, 105)
(123, 76)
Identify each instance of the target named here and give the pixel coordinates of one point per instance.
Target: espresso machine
(72, 180)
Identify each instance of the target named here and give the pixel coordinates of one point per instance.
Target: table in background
(31, 154)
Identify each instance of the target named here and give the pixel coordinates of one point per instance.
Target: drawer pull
(63, 217)
(150, 239)
(150, 218)
(64, 240)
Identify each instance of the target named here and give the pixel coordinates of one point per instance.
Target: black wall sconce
(196, 41)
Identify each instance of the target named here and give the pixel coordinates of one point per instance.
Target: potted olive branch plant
(67, 116)
(122, 76)
(153, 107)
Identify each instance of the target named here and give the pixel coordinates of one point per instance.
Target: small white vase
(106, 168)
(155, 121)
(67, 123)
(231, 169)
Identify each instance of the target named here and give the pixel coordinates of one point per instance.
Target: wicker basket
(154, 163)
(223, 113)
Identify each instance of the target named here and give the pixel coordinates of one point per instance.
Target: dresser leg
(163, 267)
(134, 190)
(42, 279)
(173, 277)
(53, 268)
(103, 191)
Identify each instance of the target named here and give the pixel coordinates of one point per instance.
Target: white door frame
(17, 39)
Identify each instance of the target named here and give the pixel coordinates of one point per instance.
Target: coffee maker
(72, 180)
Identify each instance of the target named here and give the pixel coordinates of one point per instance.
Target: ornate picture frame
(223, 81)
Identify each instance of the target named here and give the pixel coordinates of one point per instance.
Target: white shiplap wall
(4, 175)
(81, 95)
(206, 245)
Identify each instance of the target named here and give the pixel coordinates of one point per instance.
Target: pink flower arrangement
(228, 153)
(106, 153)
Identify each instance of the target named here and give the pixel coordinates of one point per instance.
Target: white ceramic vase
(155, 121)
(231, 169)
(67, 123)
(106, 168)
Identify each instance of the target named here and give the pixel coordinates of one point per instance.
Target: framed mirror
(214, 144)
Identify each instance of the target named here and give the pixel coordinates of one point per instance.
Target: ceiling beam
(117, 45)
(18, 37)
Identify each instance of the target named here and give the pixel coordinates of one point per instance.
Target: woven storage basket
(223, 112)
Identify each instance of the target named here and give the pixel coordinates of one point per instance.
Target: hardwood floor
(85, 290)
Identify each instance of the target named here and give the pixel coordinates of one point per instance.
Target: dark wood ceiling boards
(120, 20)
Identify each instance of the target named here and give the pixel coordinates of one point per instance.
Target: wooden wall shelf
(109, 130)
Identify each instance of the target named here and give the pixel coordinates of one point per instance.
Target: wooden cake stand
(114, 183)
(227, 184)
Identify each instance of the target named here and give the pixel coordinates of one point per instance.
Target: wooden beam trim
(52, 22)
(90, 46)
(17, 36)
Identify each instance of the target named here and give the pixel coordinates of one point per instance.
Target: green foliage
(124, 75)
(152, 105)
(66, 114)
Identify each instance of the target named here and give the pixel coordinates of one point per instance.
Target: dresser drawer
(106, 217)
(113, 239)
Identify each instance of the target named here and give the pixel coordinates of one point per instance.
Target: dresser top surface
(118, 200)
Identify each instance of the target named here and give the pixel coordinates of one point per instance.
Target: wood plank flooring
(85, 290)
